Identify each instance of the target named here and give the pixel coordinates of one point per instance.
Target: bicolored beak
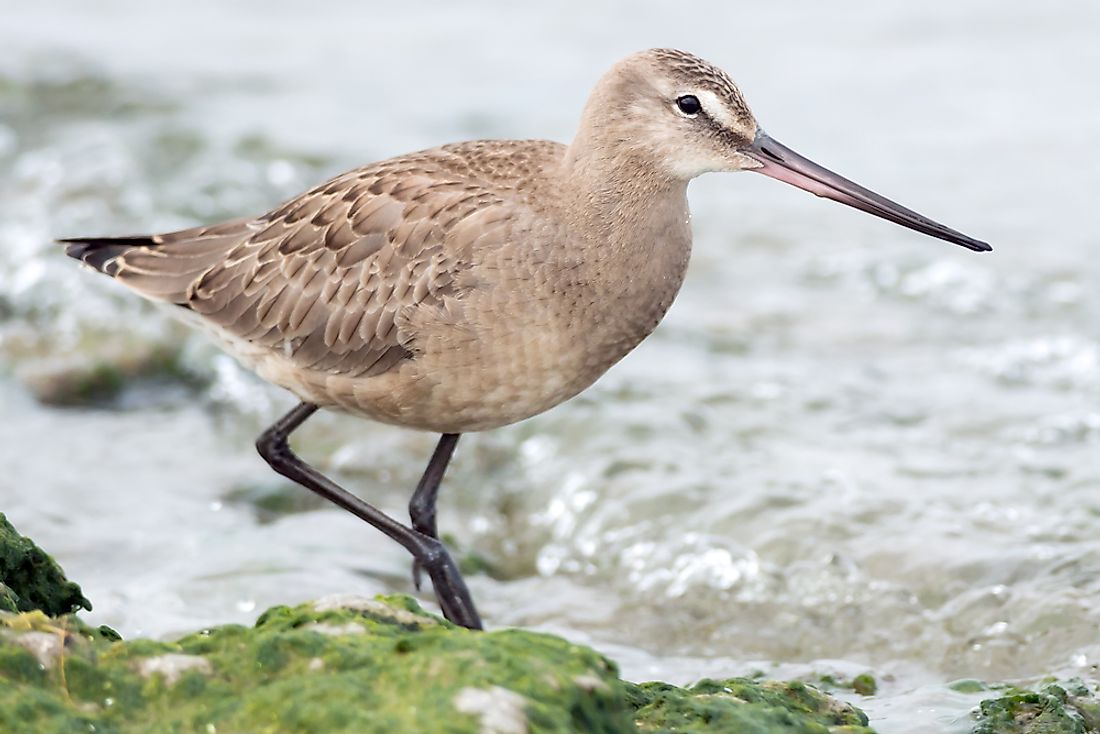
(780, 162)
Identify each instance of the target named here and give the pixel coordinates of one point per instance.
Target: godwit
(471, 286)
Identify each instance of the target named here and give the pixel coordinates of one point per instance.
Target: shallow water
(848, 448)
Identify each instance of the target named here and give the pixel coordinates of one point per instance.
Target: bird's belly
(474, 386)
(474, 390)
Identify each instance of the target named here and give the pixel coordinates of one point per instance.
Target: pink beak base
(782, 163)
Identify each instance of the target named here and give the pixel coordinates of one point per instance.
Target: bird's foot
(450, 588)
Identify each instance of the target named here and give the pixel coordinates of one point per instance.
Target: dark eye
(689, 105)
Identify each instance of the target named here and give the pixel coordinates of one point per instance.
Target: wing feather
(324, 277)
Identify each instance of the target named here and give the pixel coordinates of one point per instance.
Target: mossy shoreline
(353, 664)
(345, 664)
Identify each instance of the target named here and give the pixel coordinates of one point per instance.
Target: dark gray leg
(422, 504)
(450, 590)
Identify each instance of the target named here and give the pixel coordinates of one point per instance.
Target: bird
(473, 285)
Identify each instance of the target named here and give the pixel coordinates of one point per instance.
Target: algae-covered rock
(9, 600)
(346, 664)
(1062, 708)
(99, 368)
(742, 706)
(30, 579)
(864, 683)
(351, 664)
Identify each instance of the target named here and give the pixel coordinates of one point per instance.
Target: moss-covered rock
(864, 683)
(9, 600)
(30, 579)
(345, 664)
(365, 665)
(98, 368)
(742, 706)
(1055, 708)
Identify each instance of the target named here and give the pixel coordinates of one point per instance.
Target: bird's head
(675, 114)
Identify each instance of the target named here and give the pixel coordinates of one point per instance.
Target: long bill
(782, 163)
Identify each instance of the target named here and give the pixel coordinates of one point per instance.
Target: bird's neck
(619, 195)
(632, 224)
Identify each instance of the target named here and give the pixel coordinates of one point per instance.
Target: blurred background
(848, 448)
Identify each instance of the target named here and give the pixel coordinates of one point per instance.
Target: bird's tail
(101, 252)
(160, 266)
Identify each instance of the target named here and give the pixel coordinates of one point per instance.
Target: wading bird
(470, 286)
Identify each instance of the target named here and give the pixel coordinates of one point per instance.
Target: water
(847, 449)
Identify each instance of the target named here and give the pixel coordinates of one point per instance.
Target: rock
(1057, 708)
(346, 664)
(98, 364)
(349, 664)
(742, 705)
(9, 600)
(45, 646)
(498, 710)
(864, 683)
(373, 607)
(171, 666)
(98, 376)
(30, 579)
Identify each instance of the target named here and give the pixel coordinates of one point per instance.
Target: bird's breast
(636, 294)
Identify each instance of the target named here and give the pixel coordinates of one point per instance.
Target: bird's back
(323, 276)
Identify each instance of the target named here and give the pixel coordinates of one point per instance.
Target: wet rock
(373, 607)
(499, 711)
(171, 666)
(99, 368)
(272, 501)
(1058, 708)
(9, 600)
(30, 579)
(968, 685)
(742, 705)
(349, 664)
(864, 683)
(45, 646)
(346, 663)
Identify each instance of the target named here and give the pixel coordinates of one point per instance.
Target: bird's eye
(689, 105)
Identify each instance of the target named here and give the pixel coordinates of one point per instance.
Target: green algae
(863, 684)
(9, 600)
(1057, 708)
(367, 665)
(346, 664)
(742, 706)
(361, 666)
(968, 685)
(30, 579)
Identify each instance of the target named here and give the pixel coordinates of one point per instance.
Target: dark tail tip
(100, 252)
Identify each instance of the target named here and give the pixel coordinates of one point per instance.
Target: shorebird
(470, 286)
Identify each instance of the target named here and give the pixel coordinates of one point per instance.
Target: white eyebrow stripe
(714, 107)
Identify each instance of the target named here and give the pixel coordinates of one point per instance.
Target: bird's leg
(422, 504)
(450, 590)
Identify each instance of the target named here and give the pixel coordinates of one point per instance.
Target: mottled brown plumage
(438, 290)
(474, 285)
